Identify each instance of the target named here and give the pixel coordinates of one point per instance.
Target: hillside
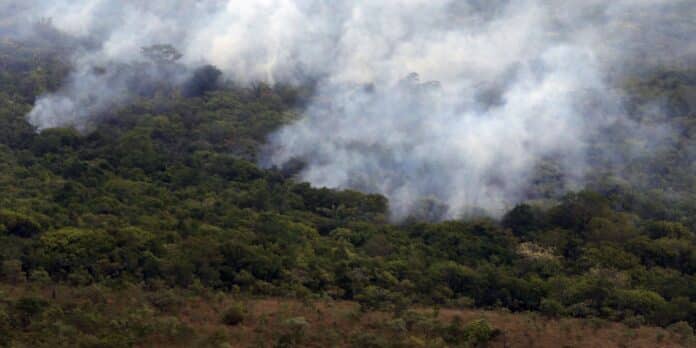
(146, 226)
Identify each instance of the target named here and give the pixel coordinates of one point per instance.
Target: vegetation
(163, 197)
(103, 316)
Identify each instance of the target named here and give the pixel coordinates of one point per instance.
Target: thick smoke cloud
(505, 83)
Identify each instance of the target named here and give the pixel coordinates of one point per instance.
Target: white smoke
(507, 82)
(417, 140)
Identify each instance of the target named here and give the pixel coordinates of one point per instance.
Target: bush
(166, 301)
(374, 298)
(551, 308)
(454, 332)
(462, 302)
(634, 321)
(293, 333)
(479, 332)
(683, 330)
(416, 321)
(80, 277)
(26, 309)
(644, 302)
(581, 310)
(234, 315)
(40, 276)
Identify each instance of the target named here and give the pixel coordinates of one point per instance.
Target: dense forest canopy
(171, 184)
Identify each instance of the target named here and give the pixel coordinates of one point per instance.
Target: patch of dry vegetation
(201, 318)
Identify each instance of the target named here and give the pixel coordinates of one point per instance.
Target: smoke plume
(457, 101)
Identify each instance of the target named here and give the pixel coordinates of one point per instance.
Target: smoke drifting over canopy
(505, 83)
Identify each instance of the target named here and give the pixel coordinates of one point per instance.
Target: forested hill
(164, 195)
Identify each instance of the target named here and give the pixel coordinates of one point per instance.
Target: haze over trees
(158, 209)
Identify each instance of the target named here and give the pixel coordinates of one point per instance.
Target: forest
(107, 232)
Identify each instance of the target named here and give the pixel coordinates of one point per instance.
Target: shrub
(644, 302)
(683, 330)
(581, 310)
(479, 332)
(166, 301)
(293, 333)
(40, 276)
(634, 321)
(397, 325)
(462, 302)
(417, 321)
(373, 297)
(25, 309)
(551, 308)
(234, 315)
(454, 332)
(80, 277)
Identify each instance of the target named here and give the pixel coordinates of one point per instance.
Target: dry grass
(339, 323)
(335, 323)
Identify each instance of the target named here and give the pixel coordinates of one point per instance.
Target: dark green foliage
(478, 332)
(292, 334)
(204, 79)
(165, 192)
(551, 307)
(18, 224)
(26, 309)
(523, 220)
